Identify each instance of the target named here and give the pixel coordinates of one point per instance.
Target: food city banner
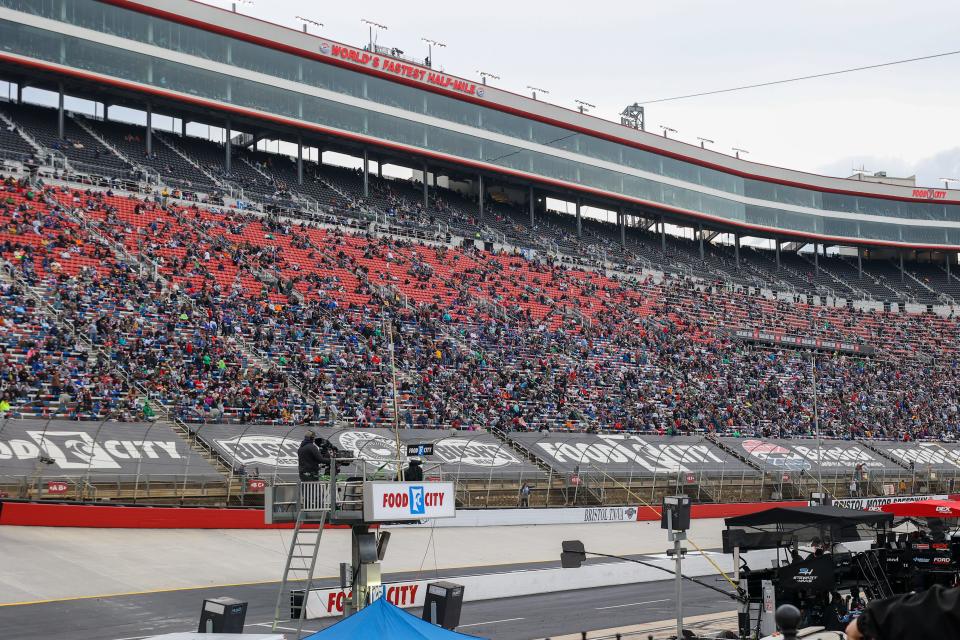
(269, 449)
(923, 456)
(631, 455)
(794, 456)
(67, 448)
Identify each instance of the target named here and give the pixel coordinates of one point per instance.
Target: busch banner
(272, 449)
(63, 448)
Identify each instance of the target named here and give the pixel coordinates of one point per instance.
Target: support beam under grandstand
(622, 218)
(663, 235)
(901, 267)
(948, 265)
(227, 150)
(777, 242)
(579, 220)
(426, 190)
(480, 196)
(60, 123)
(816, 256)
(106, 111)
(149, 136)
(700, 235)
(299, 159)
(19, 93)
(736, 248)
(533, 204)
(366, 174)
(860, 263)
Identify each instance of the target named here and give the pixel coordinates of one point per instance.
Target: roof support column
(777, 242)
(579, 221)
(663, 236)
(60, 122)
(227, 147)
(183, 126)
(106, 111)
(622, 217)
(901, 266)
(20, 92)
(299, 159)
(948, 265)
(366, 174)
(426, 190)
(860, 262)
(816, 256)
(700, 235)
(533, 203)
(480, 196)
(736, 247)
(149, 136)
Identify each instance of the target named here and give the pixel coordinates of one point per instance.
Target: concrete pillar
(227, 148)
(860, 263)
(19, 93)
(533, 203)
(579, 221)
(948, 265)
(106, 111)
(901, 267)
(380, 170)
(480, 196)
(60, 115)
(622, 217)
(183, 127)
(736, 247)
(299, 159)
(149, 136)
(663, 235)
(366, 174)
(426, 191)
(816, 257)
(700, 235)
(777, 242)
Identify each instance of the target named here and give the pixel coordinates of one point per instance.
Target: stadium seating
(217, 314)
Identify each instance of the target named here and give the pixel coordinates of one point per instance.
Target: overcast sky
(902, 119)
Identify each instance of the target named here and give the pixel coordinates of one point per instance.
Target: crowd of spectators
(226, 316)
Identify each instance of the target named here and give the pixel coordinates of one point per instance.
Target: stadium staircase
(220, 182)
(149, 175)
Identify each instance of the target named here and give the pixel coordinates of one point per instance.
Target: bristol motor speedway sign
(623, 454)
(274, 449)
(404, 501)
(67, 448)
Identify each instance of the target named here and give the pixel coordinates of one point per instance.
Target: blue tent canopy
(384, 620)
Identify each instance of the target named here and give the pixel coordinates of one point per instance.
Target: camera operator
(313, 456)
(930, 614)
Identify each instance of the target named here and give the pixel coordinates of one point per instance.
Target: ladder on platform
(301, 561)
(874, 573)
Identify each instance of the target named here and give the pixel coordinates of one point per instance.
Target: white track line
(477, 624)
(633, 604)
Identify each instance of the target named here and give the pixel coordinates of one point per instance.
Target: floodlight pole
(677, 537)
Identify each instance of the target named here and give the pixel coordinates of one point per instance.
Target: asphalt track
(131, 617)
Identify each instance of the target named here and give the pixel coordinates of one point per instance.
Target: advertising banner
(809, 455)
(923, 456)
(400, 501)
(270, 449)
(65, 448)
(630, 455)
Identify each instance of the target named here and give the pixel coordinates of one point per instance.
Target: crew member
(312, 456)
(934, 613)
(413, 472)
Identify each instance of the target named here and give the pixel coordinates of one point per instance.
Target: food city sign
(403, 501)
(930, 194)
(391, 66)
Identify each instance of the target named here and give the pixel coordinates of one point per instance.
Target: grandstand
(166, 276)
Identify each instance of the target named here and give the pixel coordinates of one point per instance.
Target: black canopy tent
(781, 526)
